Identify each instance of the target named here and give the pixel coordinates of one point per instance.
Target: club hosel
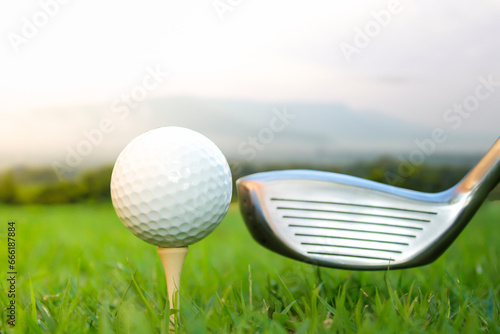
(485, 176)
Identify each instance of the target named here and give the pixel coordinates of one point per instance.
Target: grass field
(75, 265)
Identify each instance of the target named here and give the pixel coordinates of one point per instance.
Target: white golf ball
(171, 187)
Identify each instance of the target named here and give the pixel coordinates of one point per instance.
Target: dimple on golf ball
(171, 187)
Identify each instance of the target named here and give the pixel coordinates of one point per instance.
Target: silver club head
(346, 222)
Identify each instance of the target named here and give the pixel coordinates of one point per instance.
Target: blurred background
(400, 92)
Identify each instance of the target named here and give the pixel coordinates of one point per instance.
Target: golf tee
(173, 261)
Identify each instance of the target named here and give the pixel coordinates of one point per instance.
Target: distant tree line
(41, 185)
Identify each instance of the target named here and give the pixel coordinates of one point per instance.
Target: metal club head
(345, 222)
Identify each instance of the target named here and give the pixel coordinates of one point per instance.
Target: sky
(62, 60)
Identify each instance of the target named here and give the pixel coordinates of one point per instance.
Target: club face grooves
(353, 222)
(351, 204)
(367, 237)
(366, 240)
(337, 246)
(352, 230)
(354, 213)
(351, 239)
(353, 256)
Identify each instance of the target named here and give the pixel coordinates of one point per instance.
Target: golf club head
(345, 222)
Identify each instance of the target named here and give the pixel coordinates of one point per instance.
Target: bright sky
(428, 57)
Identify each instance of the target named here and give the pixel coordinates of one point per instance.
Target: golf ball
(171, 187)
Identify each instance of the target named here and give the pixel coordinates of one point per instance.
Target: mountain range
(247, 131)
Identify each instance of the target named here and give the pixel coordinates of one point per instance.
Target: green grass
(73, 277)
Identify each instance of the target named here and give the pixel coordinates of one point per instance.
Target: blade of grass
(123, 298)
(290, 297)
(141, 295)
(34, 314)
(49, 320)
